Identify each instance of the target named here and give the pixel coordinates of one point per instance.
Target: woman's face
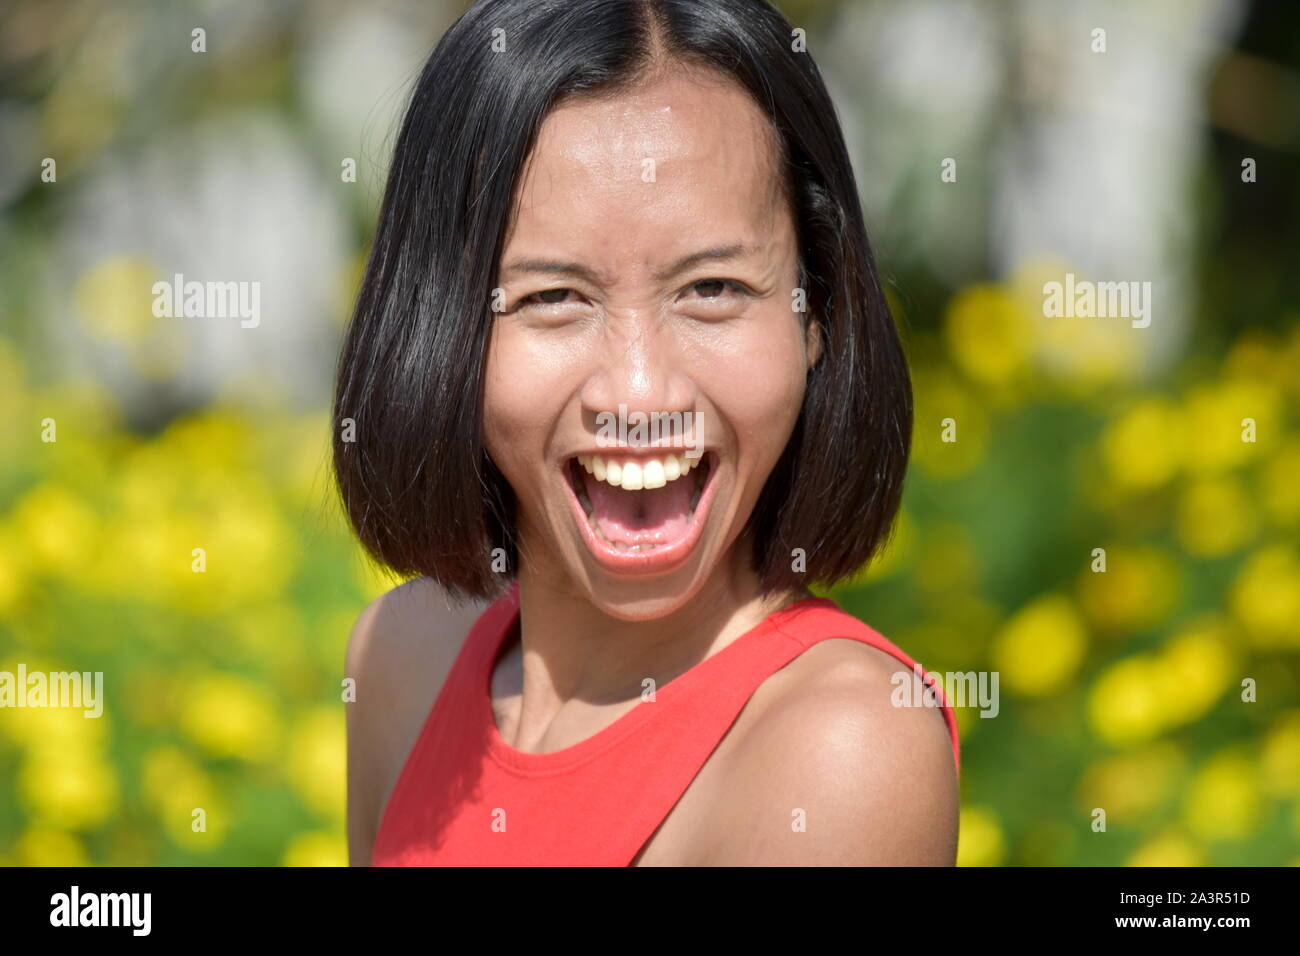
(651, 268)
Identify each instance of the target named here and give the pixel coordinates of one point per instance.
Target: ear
(813, 341)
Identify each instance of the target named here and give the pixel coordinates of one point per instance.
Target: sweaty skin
(621, 189)
(734, 354)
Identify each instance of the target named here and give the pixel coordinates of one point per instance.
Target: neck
(572, 650)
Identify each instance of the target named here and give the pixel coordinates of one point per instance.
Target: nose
(639, 368)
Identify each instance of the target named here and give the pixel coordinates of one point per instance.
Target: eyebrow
(557, 267)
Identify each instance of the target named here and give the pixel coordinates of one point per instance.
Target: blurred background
(999, 145)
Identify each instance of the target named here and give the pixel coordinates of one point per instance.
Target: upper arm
(834, 774)
(398, 655)
(364, 666)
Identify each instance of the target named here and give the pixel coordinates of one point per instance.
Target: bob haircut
(417, 484)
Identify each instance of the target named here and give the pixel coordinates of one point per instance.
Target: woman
(602, 213)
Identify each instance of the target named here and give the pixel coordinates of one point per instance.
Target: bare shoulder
(399, 652)
(402, 627)
(826, 770)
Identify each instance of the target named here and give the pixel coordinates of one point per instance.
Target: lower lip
(659, 560)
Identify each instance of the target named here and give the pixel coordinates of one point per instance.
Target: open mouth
(641, 505)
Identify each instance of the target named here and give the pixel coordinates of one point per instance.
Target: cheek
(769, 366)
(523, 396)
(506, 405)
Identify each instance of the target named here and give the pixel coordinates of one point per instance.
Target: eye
(715, 288)
(545, 297)
(717, 298)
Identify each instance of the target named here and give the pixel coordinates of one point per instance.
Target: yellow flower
(1265, 597)
(43, 845)
(1215, 517)
(250, 551)
(1224, 802)
(1259, 355)
(168, 774)
(85, 462)
(70, 789)
(59, 530)
(1196, 668)
(317, 760)
(148, 478)
(1280, 759)
(1144, 448)
(1219, 415)
(209, 442)
(1077, 354)
(197, 488)
(1142, 696)
(176, 787)
(980, 841)
(1167, 848)
(52, 728)
(1279, 485)
(13, 574)
(1137, 589)
(987, 334)
(1039, 650)
(115, 298)
(153, 556)
(246, 551)
(230, 716)
(1131, 784)
(1124, 704)
(317, 849)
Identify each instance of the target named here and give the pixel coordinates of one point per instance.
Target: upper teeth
(635, 475)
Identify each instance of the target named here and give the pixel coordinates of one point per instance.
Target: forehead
(672, 161)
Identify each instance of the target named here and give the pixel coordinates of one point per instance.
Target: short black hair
(416, 482)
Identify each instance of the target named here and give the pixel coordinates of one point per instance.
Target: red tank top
(467, 798)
